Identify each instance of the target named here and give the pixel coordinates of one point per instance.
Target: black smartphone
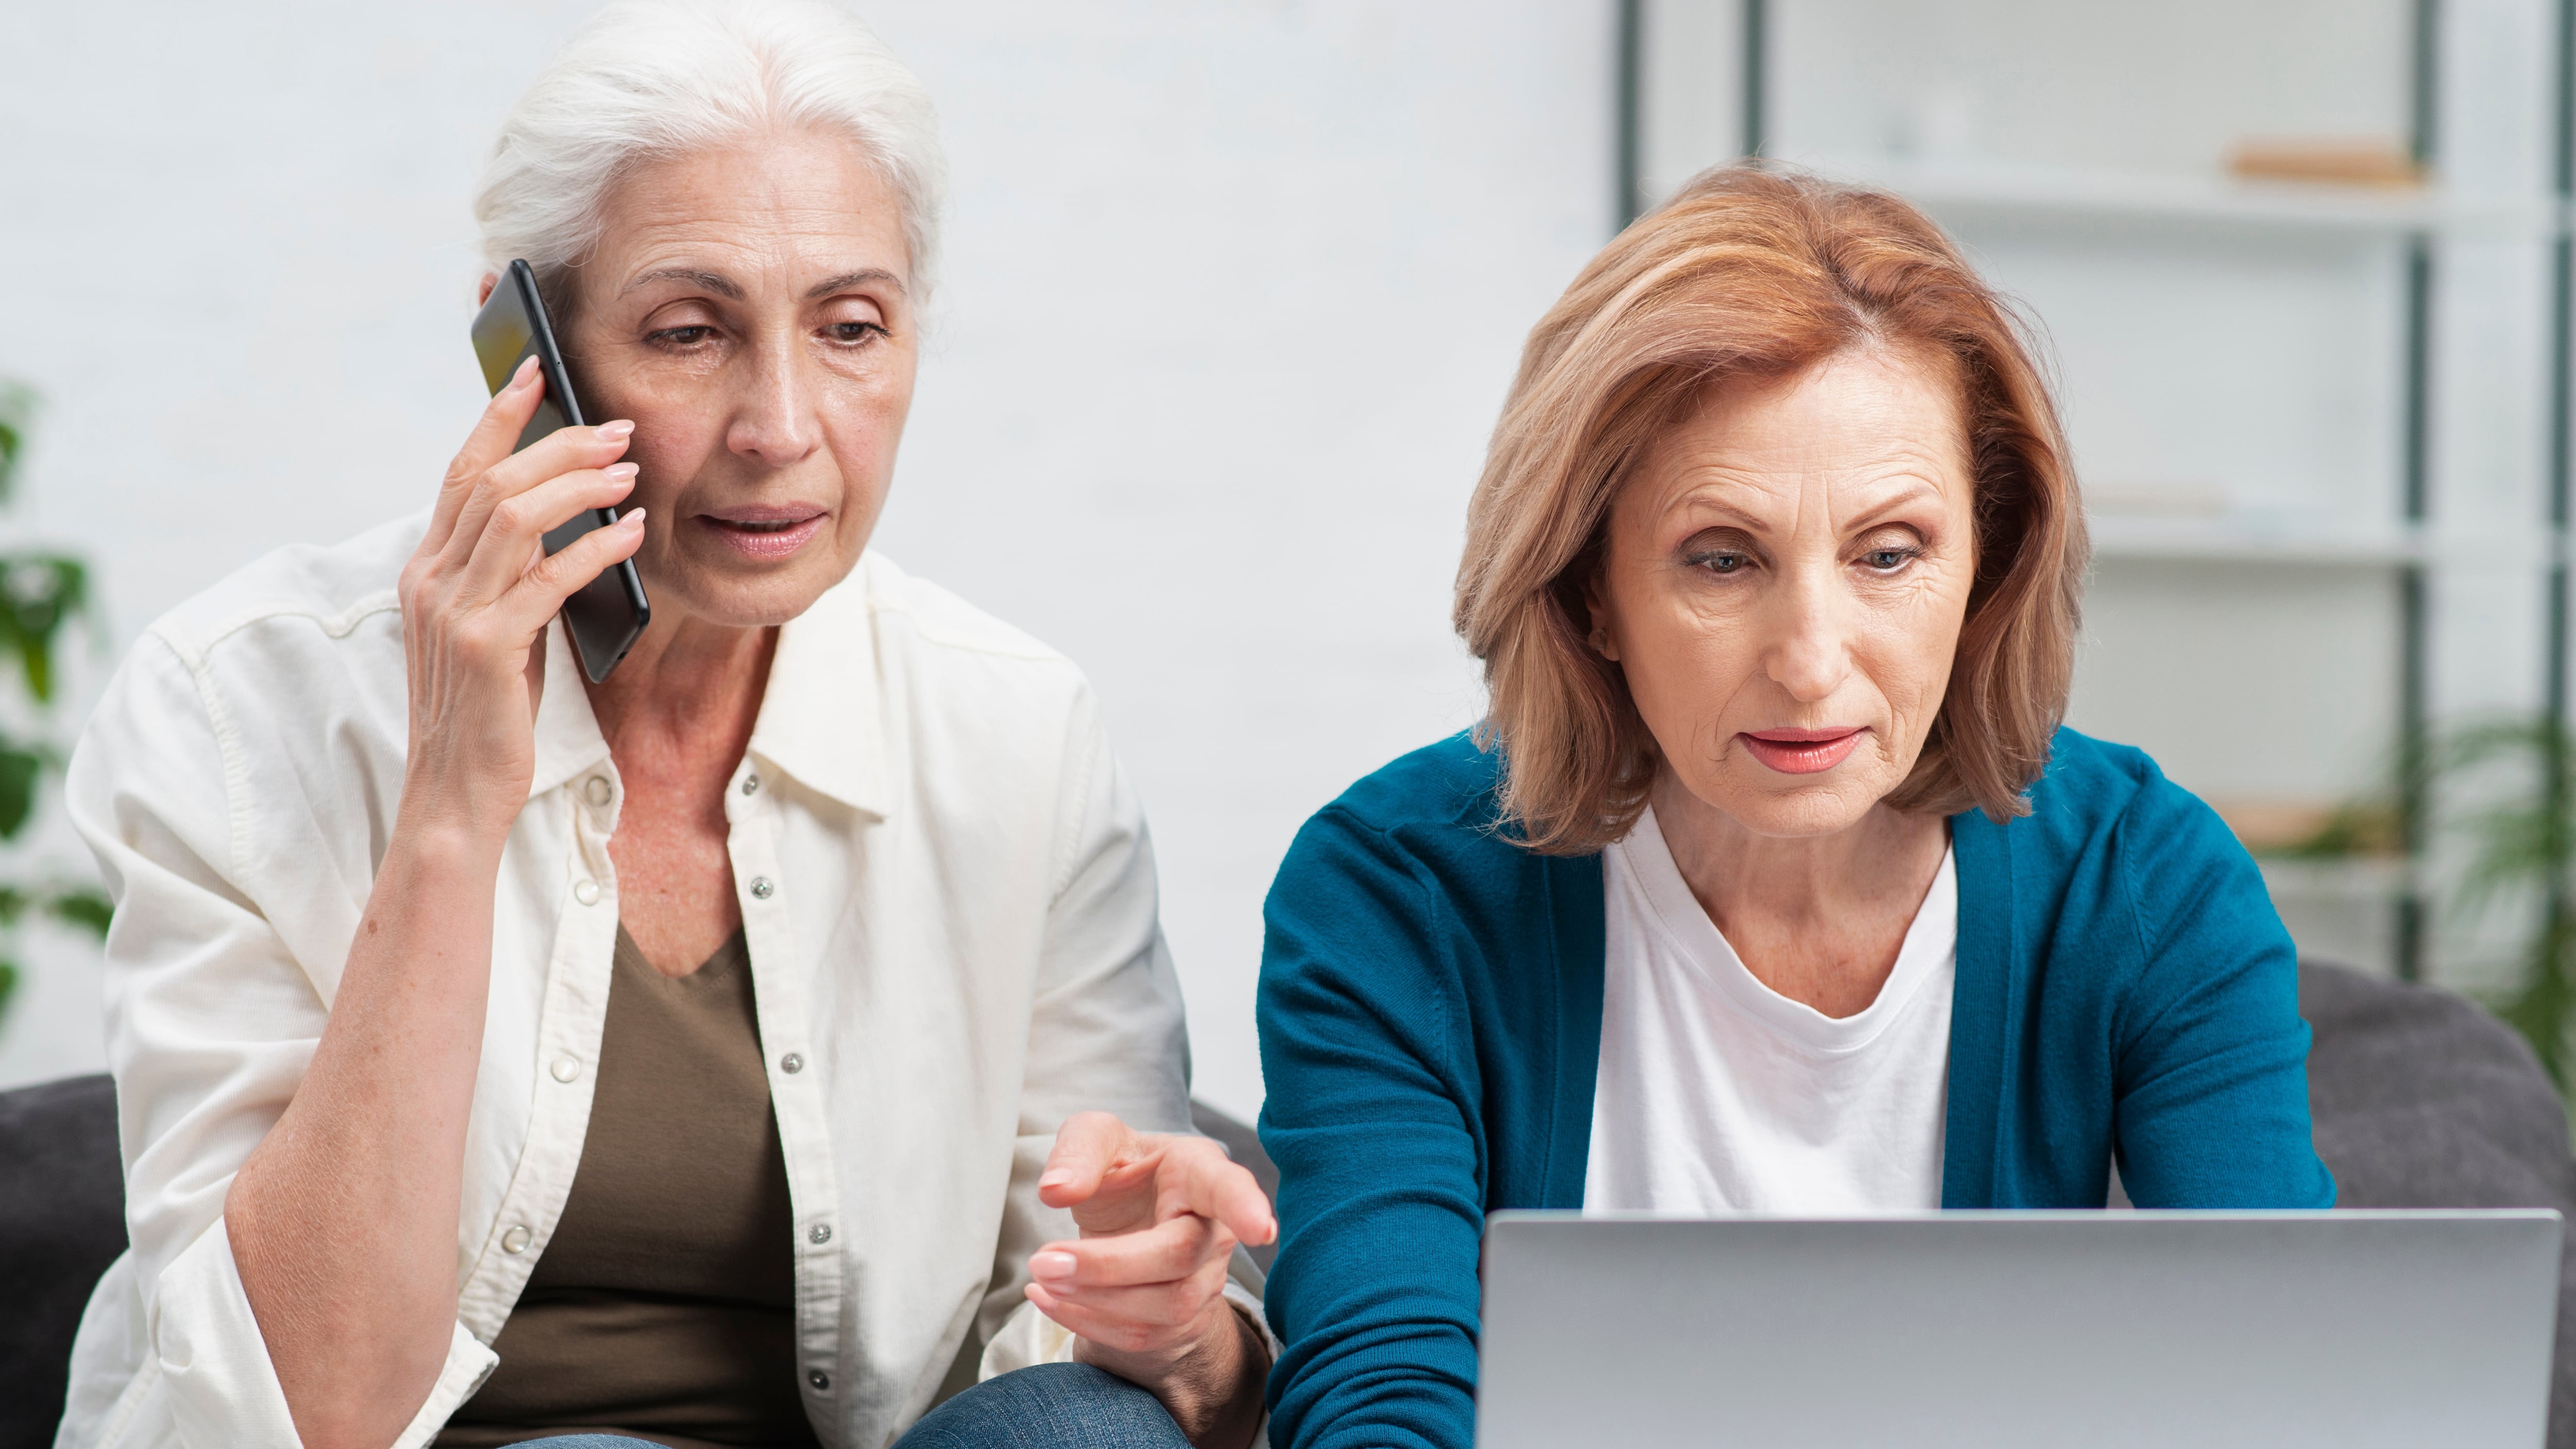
(608, 614)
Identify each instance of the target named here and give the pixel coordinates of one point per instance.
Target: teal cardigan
(1430, 1010)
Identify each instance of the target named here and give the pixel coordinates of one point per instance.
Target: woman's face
(1785, 579)
(750, 309)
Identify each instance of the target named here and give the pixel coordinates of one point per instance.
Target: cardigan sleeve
(2211, 1068)
(1370, 1117)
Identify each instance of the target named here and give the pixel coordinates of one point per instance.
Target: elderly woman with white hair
(760, 1047)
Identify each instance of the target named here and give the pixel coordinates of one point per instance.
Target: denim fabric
(1049, 1406)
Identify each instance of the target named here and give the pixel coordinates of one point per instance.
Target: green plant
(41, 593)
(2523, 846)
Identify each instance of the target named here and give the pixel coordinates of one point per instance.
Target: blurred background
(1231, 295)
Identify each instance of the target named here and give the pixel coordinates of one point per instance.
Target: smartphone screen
(608, 614)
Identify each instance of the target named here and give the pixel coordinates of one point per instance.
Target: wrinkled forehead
(779, 210)
(1851, 432)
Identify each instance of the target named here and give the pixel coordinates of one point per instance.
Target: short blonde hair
(1755, 273)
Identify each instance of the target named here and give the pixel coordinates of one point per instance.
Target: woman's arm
(1374, 1293)
(343, 1220)
(2211, 1076)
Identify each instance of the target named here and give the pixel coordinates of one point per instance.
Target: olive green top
(664, 1307)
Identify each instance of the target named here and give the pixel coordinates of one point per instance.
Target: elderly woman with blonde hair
(1771, 881)
(760, 1046)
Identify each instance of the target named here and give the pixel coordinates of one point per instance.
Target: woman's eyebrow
(847, 280)
(721, 286)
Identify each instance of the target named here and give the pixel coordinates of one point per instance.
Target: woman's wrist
(1212, 1389)
(441, 821)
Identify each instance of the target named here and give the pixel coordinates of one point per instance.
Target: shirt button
(791, 1064)
(566, 1068)
(596, 790)
(516, 1239)
(586, 892)
(822, 1233)
(819, 1379)
(761, 889)
(751, 784)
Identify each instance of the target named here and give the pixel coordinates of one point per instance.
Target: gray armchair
(2422, 1100)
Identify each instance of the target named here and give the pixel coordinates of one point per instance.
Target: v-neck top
(664, 1304)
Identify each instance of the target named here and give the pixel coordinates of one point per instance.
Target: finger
(1087, 1147)
(1117, 1333)
(1167, 1251)
(495, 433)
(540, 592)
(565, 450)
(1159, 1308)
(516, 530)
(1214, 1185)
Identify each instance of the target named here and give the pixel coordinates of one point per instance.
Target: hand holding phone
(607, 615)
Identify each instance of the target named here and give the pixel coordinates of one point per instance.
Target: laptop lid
(2006, 1329)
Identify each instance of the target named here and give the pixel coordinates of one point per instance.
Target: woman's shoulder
(2109, 839)
(1434, 816)
(932, 618)
(2093, 789)
(1449, 791)
(292, 649)
(318, 592)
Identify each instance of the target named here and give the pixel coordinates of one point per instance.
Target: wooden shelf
(2259, 539)
(2232, 540)
(2357, 878)
(2111, 200)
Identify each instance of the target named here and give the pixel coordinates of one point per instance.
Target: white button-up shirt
(945, 886)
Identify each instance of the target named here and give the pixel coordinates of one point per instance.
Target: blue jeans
(1048, 1406)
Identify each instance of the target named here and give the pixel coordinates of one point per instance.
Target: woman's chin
(1793, 807)
(733, 592)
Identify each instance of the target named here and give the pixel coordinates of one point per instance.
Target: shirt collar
(818, 723)
(821, 723)
(568, 737)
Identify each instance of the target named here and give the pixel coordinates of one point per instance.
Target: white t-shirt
(1718, 1094)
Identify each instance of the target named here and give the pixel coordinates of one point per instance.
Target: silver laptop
(2000, 1330)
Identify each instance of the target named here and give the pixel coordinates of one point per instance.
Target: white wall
(1233, 289)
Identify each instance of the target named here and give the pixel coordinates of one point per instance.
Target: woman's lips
(1801, 752)
(764, 538)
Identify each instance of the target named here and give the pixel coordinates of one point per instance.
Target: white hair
(645, 79)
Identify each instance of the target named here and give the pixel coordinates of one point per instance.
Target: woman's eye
(1721, 562)
(854, 332)
(683, 336)
(1887, 560)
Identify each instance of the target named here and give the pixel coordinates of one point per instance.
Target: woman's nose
(1809, 655)
(774, 420)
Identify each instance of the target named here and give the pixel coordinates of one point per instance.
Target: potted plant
(41, 593)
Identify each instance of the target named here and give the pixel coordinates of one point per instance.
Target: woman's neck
(687, 682)
(1817, 918)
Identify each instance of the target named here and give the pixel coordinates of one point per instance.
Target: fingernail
(527, 370)
(634, 516)
(1055, 1179)
(619, 471)
(1053, 1266)
(615, 432)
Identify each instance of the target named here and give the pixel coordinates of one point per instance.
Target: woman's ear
(483, 294)
(1603, 642)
